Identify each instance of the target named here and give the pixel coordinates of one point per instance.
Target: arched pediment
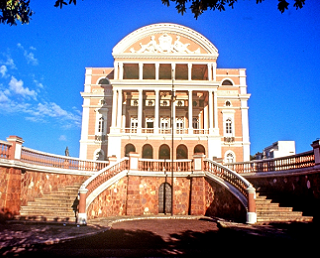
(165, 39)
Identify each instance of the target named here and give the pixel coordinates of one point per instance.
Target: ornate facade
(165, 78)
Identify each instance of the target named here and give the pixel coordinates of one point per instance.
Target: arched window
(147, 152)
(164, 152)
(228, 103)
(129, 148)
(182, 152)
(227, 83)
(104, 81)
(229, 157)
(199, 149)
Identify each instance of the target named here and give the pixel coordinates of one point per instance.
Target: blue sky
(42, 65)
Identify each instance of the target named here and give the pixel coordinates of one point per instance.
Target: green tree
(19, 10)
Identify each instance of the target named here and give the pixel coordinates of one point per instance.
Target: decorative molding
(165, 28)
(165, 46)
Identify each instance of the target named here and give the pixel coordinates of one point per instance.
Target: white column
(190, 106)
(121, 71)
(114, 109)
(119, 108)
(189, 71)
(209, 72)
(140, 71)
(116, 70)
(140, 111)
(157, 71)
(156, 112)
(214, 73)
(245, 130)
(210, 111)
(215, 109)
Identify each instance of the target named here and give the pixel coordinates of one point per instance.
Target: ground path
(165, 237)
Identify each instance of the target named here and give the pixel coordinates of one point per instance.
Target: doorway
(165, 198)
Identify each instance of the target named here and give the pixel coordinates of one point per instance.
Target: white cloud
(17, 88)
(38, 84)
(63, 138)
(28, 55)
(3, 97)
(3, 70)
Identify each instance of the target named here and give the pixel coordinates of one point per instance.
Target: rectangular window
(130, 71)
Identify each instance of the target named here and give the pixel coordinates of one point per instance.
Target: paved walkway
(153, 237)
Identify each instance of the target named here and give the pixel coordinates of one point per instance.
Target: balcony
(179, 131)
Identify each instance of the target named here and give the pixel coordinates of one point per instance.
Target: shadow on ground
(159, 241)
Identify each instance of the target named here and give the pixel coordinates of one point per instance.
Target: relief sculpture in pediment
(165, 46)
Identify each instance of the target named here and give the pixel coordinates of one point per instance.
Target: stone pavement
(152, 236)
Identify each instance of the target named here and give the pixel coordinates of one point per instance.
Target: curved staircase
(57, 206)
(269, 211)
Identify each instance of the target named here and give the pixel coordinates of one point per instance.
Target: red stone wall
(10, 189)
(111, 202)
(219, 202)
(17, 188)
(136, 196)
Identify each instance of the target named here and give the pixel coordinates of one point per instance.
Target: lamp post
(172, 139)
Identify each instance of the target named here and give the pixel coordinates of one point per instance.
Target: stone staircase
(56, 206)
(269, 211)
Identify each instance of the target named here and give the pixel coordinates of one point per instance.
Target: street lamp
(172, 139)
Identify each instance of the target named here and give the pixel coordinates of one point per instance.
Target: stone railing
(247, 191)
(302, 160)
(105, 174)
(50, 160)
(228, 175)
(165, 165)
(4, 150)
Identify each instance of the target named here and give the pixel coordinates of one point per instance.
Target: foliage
(197, 7)
(12, 11)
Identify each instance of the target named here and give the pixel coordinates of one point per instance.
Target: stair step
(285, 219)
(49, 204)
(269, 211)
(45, 218)
(45, 208)
(279, 214)
(274, 208)
(48, 213)
(56, 206)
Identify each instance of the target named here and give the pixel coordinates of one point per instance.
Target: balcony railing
(162, 165)
(162, 131)
(50, 160)
(302, 160)
(4, 150)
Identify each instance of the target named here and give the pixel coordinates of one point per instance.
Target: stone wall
(138, 195)
(35, 184)
(10, 192)
(222, 204)
(17, 187)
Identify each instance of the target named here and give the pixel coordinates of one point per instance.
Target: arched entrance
(165, 198)
(164, 152)
(182, 152)
(199, 149)
(147, 152)
(129, 148)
